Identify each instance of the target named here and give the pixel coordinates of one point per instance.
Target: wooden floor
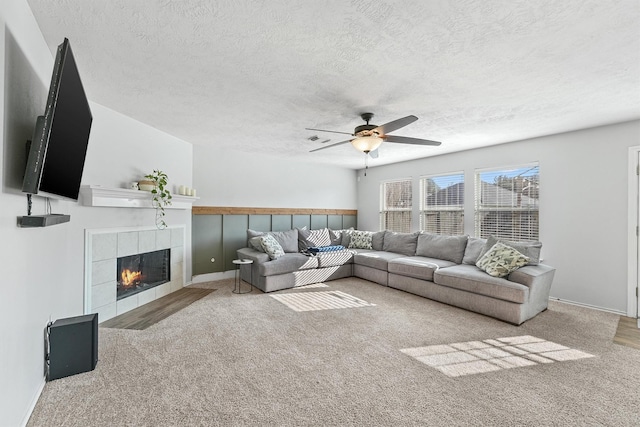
(153, 312)
(628, 333)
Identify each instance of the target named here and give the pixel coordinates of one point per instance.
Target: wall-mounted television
(56, 155)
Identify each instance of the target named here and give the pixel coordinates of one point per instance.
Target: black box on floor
(73, 346)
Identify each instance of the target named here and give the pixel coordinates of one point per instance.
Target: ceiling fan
(369, 137)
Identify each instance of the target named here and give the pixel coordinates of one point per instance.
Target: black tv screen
(57, 153)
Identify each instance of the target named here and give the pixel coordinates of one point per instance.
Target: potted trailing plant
(161, 196)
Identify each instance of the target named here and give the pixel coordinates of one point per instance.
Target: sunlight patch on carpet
(310, 301)
(476, 357)
(313, 285)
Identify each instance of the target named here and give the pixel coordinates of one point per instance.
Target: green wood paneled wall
(219, 236)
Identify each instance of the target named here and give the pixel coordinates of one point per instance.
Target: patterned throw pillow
(501, 260)
(361, 240)
(271, 246)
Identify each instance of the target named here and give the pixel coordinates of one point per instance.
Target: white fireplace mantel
(96, 195)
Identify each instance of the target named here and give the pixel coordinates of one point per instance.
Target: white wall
(233, 178)
(42, 268)
(583, 204)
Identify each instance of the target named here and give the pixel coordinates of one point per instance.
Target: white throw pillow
(501, 260)
(271, 246)
(361, 240)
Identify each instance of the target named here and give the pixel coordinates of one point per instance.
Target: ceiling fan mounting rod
(366, 117)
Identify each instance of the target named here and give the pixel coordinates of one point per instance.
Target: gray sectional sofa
(441, 268)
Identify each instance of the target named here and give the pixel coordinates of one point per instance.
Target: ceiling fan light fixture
(366, 143)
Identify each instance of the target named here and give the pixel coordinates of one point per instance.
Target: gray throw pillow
(400, 243)
(251, 234)
(473, 250)
(313, 238)
(449, 248)
(335, 236)
(529, 249)
(346, 237)
(338, 236)
(256, 243)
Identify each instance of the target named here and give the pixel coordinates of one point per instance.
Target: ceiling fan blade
(331, 131)
(374, 154)
(396, 124)
(407, 140)
(332, 145)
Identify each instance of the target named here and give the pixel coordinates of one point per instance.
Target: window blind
(507, 203)
(396, 205)
(442, 204)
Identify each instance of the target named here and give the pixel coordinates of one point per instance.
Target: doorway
(633, 233)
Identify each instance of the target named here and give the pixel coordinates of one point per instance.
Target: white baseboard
(34, 401)
(593, 307)
(210, 277)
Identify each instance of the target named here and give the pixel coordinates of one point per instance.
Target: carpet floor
(374, 359)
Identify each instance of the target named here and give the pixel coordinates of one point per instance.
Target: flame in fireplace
(130, 277)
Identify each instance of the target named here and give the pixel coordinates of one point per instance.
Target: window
(396, 205)
(507, 202)
(442, 204)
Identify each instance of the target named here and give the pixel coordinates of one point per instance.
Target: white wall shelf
(96, 195)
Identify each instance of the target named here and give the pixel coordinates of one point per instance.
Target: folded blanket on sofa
(315, 250)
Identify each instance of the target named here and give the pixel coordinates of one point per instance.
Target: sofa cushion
(377, 240)
(360, 240)
(471, 279)
(313, 238)
(375, 259)
(287, 263)
(501, 260)
(271, 246)
(450, 248)
(336, 236)
(287, 239)
(346, 237)
(475, 245)
(417, 266)
(529, 249)
(254, 243)
(332, 259)
(400, 243)
(253, 233)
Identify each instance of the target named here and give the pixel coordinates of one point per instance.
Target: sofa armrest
(530, 275)
(256, 256)
(538, 279)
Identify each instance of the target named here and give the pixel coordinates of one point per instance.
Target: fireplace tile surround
(104, 246)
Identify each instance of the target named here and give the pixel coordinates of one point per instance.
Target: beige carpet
(252, 360)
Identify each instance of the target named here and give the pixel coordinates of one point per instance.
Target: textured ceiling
(252, 75)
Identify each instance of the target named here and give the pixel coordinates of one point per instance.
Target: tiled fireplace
(127, 268)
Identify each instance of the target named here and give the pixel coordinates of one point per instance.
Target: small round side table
(237, 286)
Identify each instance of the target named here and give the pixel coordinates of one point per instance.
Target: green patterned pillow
(501, 260)
(271, 246)
(361, 240)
